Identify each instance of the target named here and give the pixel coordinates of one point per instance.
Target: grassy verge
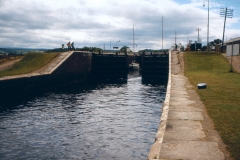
(222, 96)
(29, 63)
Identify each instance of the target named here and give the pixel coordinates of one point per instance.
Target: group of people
(70, 46)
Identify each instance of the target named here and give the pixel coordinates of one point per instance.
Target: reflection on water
(109, 121)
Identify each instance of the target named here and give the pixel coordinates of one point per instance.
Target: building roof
(233, 40)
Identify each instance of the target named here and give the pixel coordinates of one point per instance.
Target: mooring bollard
(202, 85)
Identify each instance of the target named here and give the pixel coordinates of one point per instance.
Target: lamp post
(116, 45)
(117, 42)
(226, 13)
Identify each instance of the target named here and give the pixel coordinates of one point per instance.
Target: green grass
(222, 96)
(29, 63)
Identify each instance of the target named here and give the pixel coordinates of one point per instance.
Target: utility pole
(198, 29)
(231, 70)
(187, 38)
(208, 29)
(207, 25)
(226, 13)
(162, 33)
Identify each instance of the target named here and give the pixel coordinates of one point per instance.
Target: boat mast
(133, 41)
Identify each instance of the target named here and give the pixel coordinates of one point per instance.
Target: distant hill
(19, 50)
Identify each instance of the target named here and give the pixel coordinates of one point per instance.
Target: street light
(116, 45)
(117, 42)
(226, 13)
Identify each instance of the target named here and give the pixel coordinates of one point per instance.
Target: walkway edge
(59, 64)
(154, 153)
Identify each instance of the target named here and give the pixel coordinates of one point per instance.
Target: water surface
(108, 121)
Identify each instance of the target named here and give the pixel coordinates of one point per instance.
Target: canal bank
(185, 130)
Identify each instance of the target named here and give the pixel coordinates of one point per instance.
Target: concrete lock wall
(78, 64)
(76, 68)
(109, 67)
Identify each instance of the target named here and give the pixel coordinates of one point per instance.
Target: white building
(233, 47)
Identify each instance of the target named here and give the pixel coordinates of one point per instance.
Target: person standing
(72, 45)
(62, 47)
(69, 45)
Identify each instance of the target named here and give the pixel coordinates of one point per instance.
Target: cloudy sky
(50, 23)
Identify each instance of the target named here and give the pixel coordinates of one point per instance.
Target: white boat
(134, 66)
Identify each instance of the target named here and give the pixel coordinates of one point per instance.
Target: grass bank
(29, 63)
(222, 96)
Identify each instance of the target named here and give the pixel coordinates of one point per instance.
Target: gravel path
(9, 64)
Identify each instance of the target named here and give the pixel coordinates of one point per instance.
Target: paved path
(186, 132)
(54, 63)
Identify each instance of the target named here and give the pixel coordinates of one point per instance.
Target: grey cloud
(40, 24)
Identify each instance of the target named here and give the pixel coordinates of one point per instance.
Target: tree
(217, 41)
(182, 48)
(90, 49)
(211, 43)
(204, 48)
(124, 49)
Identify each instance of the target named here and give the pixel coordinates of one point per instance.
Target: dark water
(108, 121)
